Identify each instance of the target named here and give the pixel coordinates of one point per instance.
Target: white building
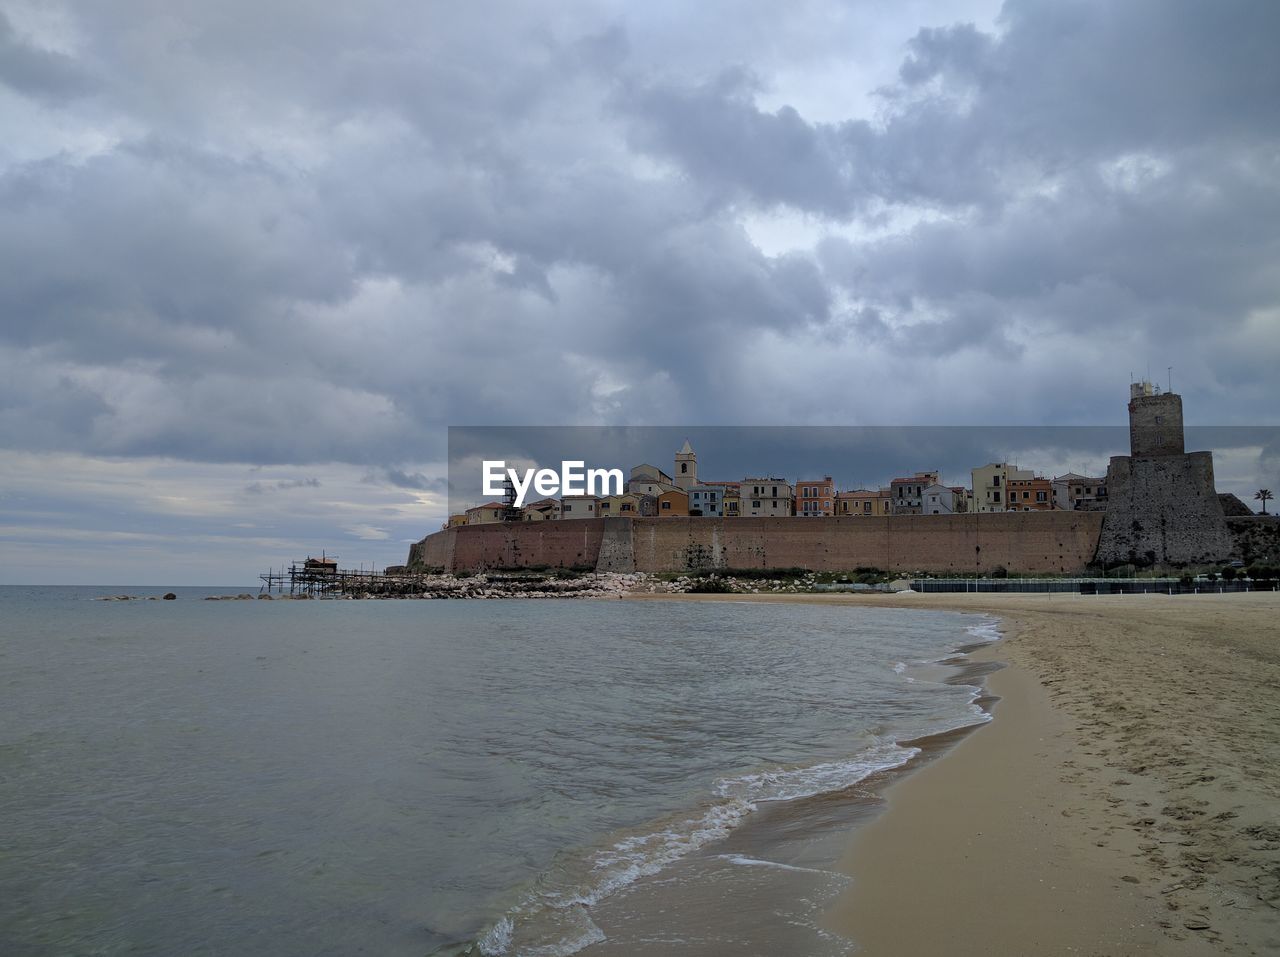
(579, 506)
(765, 498)
(939, 499)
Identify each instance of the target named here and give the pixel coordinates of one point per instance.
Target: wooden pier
(322, 578)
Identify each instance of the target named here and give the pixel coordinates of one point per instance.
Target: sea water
(420, 777)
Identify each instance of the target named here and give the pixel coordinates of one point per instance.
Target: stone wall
(1017, 541)
(1255, 538)
(1163, 510)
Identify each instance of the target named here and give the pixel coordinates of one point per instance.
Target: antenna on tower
(1170, 378)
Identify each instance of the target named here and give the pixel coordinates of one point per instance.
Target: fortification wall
(1163, 509)
(1017, 541)
(560, 544)
(434, 551)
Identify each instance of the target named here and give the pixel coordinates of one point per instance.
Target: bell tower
(686, 472)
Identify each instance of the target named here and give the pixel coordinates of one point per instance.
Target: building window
(566, 508)
(684, 467)
(995, 496)
(995, 481)
(666, 505)
(1039, 496)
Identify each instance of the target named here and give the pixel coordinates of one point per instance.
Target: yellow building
(865, 502)
(627, 505)
(486, 513)
(731, 502)
(990, 485)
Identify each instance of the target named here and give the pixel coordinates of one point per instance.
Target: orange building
(1029, 495)
(816, 498)
(673, 504)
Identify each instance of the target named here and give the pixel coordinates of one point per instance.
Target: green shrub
(711, 586)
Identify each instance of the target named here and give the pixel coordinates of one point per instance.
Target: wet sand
(1125, 800)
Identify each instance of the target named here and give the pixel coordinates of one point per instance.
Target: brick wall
(562, 544)
(1017, 541)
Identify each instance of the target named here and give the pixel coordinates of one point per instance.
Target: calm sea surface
(405, 777)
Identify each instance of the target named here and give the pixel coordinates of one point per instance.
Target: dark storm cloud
(304, 234)
(42, 74)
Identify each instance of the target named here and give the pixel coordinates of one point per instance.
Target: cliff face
(1163, 509)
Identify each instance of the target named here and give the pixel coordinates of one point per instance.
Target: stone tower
(1162, 506)
(1155, 421)
(686, 473)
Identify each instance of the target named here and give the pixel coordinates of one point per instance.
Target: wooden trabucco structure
(321, 578)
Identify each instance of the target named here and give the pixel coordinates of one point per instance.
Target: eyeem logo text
(574, 478)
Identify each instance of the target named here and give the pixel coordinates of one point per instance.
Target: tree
(1264, 495)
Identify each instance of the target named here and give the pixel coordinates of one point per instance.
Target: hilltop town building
(864, 502)
(1030, 495)
(907, 492)
(765, 497)
(707, 499)
(673, 503)
(731, 506)
(939, 499)
(627, 505)
(488, 512)
(579, 506)
(990, 482)
(816, 499)
(543, 510)
(1075, 491)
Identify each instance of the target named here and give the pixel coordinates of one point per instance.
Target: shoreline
(1124, 798)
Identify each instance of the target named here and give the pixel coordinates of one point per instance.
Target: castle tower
(1155, 421)
(1162, 505)
(686, 467)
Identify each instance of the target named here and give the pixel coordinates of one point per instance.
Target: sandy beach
(1124, 800)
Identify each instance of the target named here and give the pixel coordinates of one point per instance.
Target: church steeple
(686, 473)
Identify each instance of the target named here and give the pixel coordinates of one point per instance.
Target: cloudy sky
(255, 257)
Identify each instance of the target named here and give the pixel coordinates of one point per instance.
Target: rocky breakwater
(498, 585)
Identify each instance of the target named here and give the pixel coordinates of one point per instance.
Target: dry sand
(1124, 800)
